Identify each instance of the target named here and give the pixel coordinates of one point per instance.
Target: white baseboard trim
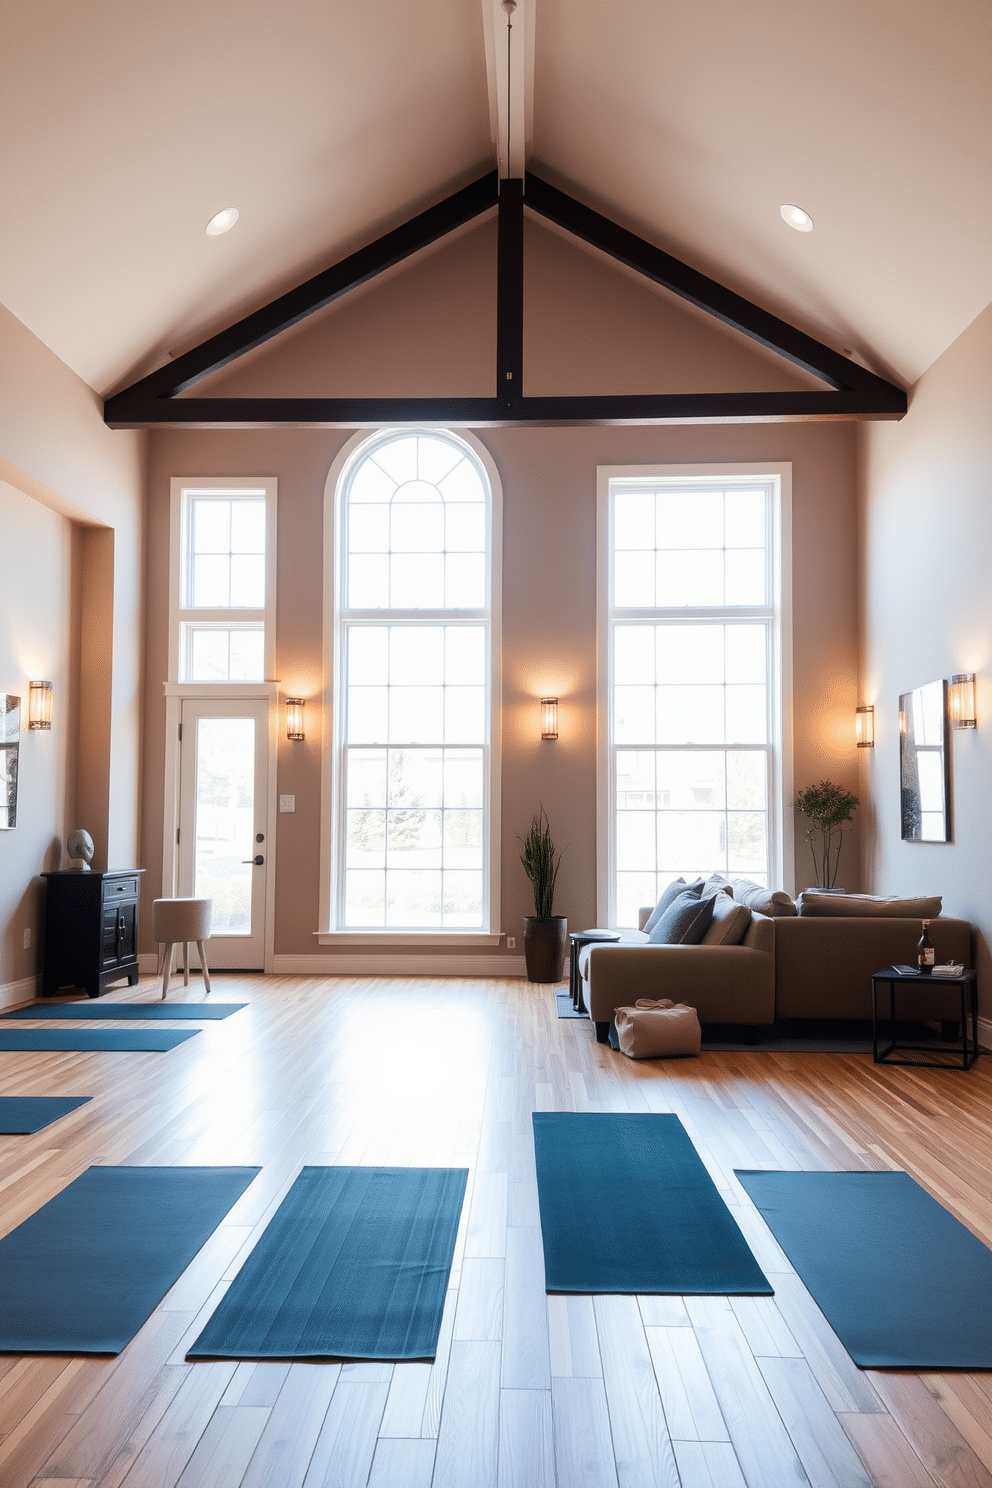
(148, 962)
(11, 993)
(985, 1031)
(393, 965)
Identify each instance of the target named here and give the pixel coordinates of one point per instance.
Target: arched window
(415, 647)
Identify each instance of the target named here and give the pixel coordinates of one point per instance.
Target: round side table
(580, 938)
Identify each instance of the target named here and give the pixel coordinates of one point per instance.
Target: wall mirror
(10, 741)
(924, 764)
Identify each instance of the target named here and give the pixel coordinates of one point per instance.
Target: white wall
(926, 530)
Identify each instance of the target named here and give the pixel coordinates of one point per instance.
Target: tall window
(226, 581)
(414, 670)
(693, 641)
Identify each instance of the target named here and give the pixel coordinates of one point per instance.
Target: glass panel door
(223, 810)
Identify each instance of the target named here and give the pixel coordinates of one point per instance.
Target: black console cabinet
(91, 930)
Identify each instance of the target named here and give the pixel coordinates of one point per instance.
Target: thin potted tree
(829, 807)
(545, 933)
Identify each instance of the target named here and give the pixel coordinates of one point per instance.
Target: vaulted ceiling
(125, 124)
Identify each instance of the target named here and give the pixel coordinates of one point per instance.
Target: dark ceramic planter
(545, 947)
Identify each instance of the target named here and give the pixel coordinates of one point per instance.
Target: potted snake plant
(545, 933)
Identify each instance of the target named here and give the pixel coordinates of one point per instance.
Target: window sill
(407, 938)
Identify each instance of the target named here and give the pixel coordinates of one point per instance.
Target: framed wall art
(10, 743)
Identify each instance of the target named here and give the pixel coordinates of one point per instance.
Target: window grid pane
(690, 705)
(414, 838)
(680, 548)
(215, 653)
(687, 813)
(415, 692)
(226, 548)
(416, 684)
(416, 529)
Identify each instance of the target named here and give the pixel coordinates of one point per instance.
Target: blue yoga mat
(353, 1265)
(20, 1114)
(83, 1273)
(627, 1206)
(155, 1011)
(902, 1283)
(69, 1039)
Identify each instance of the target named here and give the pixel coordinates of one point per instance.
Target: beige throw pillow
(716, 884)
(729, 923)
(764, 901)
(868, 905)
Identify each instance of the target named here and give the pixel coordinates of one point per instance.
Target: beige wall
(71, 546)
(401, 338)
(39, 611)
(926, 524)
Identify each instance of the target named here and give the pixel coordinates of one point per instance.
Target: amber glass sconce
(864, 727)
(294, 718)
(40, 705)
(961, 701)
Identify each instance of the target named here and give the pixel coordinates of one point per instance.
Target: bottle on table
(925, 953)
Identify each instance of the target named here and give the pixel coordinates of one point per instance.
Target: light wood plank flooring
(527, 1391)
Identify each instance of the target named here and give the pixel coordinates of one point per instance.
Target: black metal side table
(965, 983)
(580, 938)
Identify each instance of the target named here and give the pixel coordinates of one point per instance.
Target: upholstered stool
(177, 922)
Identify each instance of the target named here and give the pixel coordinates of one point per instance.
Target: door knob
(258, 861)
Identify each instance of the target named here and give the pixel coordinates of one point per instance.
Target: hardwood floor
(527, 1391)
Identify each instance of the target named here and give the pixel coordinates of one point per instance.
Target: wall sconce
(961, 700)
(864, 727)
(549, 709)
(40, 705)
(294, 718)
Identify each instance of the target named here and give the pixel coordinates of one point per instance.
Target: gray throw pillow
(685, 921)
(674, 889)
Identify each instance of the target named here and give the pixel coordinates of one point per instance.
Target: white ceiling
(125, 124)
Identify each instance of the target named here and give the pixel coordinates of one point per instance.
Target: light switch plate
(287, 803)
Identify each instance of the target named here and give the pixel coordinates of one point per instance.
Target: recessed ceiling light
(796, 217)
(222, 222)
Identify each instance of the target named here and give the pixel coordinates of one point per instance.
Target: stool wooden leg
(166, 967)
(185, 963)
(203, 964)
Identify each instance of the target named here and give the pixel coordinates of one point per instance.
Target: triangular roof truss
(852, 392)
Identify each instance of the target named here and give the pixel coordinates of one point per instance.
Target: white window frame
(781, 860)
(175, 691)
(332, 783)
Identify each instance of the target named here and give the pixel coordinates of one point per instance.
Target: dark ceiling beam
(323, 289)
(722, 303)
(510, 291)
(478, 413)
(857, 393)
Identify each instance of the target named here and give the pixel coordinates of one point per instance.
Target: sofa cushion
(716, 884)
(759, 900)
(668, 896)
(685, 921)
(729, 923)
(870, 905)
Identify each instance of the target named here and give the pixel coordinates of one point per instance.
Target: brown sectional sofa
(799, 967)
(823, 967)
